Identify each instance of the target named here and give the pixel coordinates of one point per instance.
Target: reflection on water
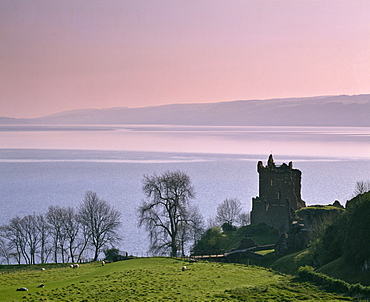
(336, 142)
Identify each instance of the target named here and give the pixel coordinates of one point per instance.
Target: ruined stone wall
(275, 215)
(279, 195)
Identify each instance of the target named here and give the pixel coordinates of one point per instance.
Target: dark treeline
(62, 234)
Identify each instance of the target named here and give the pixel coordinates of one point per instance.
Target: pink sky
(64, 55)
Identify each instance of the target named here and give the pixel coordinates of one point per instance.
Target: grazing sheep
(183, 268)
(41, 285)
(103, 263)
(22, 289)
(43, 269)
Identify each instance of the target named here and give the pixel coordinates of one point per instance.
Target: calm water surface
(56, 165)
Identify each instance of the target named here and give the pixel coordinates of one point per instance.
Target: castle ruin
(279, 195)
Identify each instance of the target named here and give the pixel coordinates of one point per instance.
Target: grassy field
(157, 279)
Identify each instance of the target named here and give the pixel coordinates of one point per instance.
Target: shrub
(228, 227)
(304, 272)
(307, 273)
(357, 244)
(347, 236)
(210, 243)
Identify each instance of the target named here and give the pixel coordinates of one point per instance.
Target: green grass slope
(290, 264)
(215, 240)
(340, 269)
(158, 279)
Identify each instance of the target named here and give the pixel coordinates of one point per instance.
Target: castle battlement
(279, 195)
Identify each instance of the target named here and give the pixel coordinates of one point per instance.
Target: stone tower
(279, 195)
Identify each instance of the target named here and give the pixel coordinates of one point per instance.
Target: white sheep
(183, 268)
(22, 289)
(43, 269)
(103, 263)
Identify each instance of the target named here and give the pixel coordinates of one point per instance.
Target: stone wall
(279, 195)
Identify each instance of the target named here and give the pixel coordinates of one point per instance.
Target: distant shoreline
(320, 111)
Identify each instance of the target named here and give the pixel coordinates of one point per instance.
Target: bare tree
(83, 240)
(55, 217)
(100, 220)
(197, 224)
(228, 212)
(243, 219)
(212, 223)
(191, 229)
(43, 229)
(362, 187)
(166, 213)
(31, 236)
(23, 238)
(5, 250)
(14, 233)
(71, 226)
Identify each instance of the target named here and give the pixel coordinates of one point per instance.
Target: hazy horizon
(51, 113)
(65, 55)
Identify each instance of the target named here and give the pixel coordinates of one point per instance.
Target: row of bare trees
(62, 234)
(65, 234)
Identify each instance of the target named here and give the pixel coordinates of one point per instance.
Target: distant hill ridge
(342, 110)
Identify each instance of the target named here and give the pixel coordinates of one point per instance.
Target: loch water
(43, 165)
